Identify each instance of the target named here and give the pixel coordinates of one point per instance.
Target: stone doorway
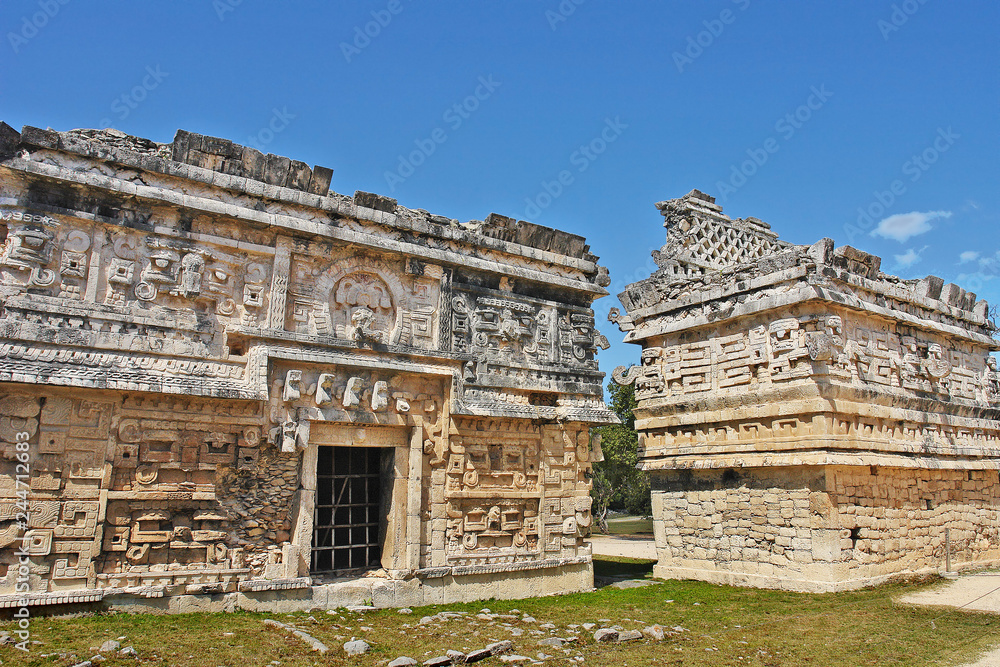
(353, 492)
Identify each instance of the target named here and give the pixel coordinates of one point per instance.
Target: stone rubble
(313, 643)
(110, 646)
(504, 650)
(606, 635)
(403, 661)
(356, 647)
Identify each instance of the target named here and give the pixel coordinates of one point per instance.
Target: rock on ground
(109, 646)
(357, 647)
(403, 661)
(606, 635)
(629, 635)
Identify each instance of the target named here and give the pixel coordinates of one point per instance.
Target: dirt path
(625, 546)
(973, 592)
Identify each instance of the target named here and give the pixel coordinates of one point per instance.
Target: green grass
(631, 525)
(723, 626)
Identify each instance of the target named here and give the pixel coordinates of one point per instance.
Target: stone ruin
(223, 385)
(809, 422)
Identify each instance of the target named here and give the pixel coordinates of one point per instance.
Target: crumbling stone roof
(713, 267)
(245, 163)
(700, 237)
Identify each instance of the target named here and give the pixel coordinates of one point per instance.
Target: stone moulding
(200, 341)
(808, 421)
(48, 599)
(257, 585)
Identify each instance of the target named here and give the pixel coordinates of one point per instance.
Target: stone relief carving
(27, 252)
(364, 327)
(369, 301)
(623, 322)
(188, 272)
(508, 331)
(157, 537)
(989, 383)
(544, 505)
(791, 348)
(363, 309)
(351, 395)
(56, 522)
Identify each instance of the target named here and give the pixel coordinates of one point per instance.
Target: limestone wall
(895, 519)
(822, 528)
(763, 527)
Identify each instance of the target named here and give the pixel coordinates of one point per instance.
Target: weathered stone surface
(552, 641)
(629, 635)
(314, 644)
(9, 139)
(109, 646)
(606, 635)
(356, 647)
(403, 661)
(186, 327)
(809, 422)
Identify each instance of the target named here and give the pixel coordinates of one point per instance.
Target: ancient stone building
(219, 377)
(809, 422)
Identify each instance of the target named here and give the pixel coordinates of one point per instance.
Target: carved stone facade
(809, 422)
(217, 376)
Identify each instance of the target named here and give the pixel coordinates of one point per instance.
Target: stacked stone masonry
(188, 329)
(809, 422)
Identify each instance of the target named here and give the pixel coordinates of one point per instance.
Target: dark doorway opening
(350, 518)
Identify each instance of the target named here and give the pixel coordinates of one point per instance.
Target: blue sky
(847, 111)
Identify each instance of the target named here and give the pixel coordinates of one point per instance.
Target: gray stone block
(299, 175)
(181, 144)
(320, 182)
(9, 139)
(929, 288)
(254, 163)
(374, 201)
(276, 169)
(221, 147)
(34, 136)
(953, 295)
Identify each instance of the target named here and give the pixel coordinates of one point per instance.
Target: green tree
(618, 484)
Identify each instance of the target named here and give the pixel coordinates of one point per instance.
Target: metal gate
(346, 525)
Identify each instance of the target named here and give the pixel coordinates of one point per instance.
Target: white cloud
(989, 263)
(904, 226)
(909, 258)
(975, 280)
(968, 256)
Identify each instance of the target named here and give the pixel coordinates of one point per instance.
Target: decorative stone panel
(183, 325)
